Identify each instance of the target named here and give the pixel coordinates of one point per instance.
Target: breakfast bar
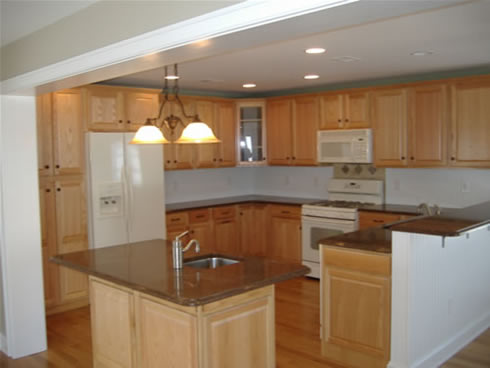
(145, 313)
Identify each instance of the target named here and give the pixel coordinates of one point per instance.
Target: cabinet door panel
(279, 132)
(68, 133)
(226, 132)
(203, 232)
(138, 107)
(71, 224)
(285, 239)
(305, 127)
(44, 111)
(356, 105)
(184, 154)
(389, 123)
(470, 125)
(104, 109)
(207, 153)
(428, 126)
(332, 116)
(226, 236)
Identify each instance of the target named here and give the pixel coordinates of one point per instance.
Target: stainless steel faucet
(178, 251)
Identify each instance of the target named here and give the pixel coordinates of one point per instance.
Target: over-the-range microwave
(347, 145)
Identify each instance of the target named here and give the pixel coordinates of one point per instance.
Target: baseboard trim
(451, 347)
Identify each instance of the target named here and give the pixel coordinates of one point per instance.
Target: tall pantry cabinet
(62, 195)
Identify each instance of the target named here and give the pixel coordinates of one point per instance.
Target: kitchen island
(144, 313)
(408, 294)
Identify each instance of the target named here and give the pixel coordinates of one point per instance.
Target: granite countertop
(393, 208)
(375, 239)
(452, 222)
(147, 267)
(237, 200)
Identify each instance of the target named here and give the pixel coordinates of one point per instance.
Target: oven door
(313, 230)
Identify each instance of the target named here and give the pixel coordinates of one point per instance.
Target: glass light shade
(148, 134)
(197, 132)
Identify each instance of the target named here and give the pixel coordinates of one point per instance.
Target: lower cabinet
(356, 307)
(253, 221)
(63, 230)
(133, 329)
(285, 233)
(226, 229)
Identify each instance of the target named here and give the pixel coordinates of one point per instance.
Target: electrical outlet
(286, 180)
(316, 181)
(465, 187)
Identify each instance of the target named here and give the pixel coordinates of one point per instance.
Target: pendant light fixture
(194, 132)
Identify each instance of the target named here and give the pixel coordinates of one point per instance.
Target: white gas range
(335, 216)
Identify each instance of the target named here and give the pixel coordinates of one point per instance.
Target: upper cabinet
(349, 110)
(44, 111)
(251, 133)
(115, 108)
(427, 126)
(68, 138)
(389, 117)
(291, 131)
(226, 132)
(470, 128)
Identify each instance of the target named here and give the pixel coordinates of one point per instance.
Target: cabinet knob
(168, 161)
(294, 158)
(263, 159)
(57, 166)
(346, 120)
(58, 189)
(403, 157)
(340, 120)
(48, 190)
(120, 121)
(46, 166)
(214, 160)
(128, 122)
(412, 158)
(287, 158)
(175, 161)
(220, 160)
(453, 158)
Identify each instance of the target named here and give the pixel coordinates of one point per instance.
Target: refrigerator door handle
(130, 198)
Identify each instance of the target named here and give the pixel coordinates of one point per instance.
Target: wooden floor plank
(297, 336)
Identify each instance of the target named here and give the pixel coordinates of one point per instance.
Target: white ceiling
(458, 36)
(18, 18)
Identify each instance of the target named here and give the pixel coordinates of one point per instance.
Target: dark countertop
(394, 208)
(237, 200)
(375, 239)
(452, 222)
(147, 267)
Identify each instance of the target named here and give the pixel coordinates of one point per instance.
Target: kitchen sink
(210, 262)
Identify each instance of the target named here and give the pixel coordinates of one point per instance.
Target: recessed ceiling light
(172, 77)
(311, 76)
(315, 50)
(249, 85)
(421, 53)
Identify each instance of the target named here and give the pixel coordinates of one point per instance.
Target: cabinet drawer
(374, 219)
(224, 212)
(177, 219)
(357, 261)
(286, 211)
(197, 216)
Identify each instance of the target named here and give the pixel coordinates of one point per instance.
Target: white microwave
(348, 145)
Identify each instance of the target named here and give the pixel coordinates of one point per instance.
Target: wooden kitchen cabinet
(285, 233)
(202, 228)
(47, 207)
(45, 157)
(427, 126)
(68, 137)
(356, 307)
(279, 133)
(389, 117)
(373, 219)
(305, 127)
(470, 125)
(71, 229)
(226, 230)
(226, 132)
(291, 131)
(349, 110)
(206, 152)
(117, 108)
(254, 225)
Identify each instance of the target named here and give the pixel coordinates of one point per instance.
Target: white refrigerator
(125, 191)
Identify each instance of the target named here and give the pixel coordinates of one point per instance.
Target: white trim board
(144, 49)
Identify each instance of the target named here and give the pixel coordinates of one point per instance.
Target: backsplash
(445, 187)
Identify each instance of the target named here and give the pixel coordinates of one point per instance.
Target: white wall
(440, 296)
(441, 186)
(20, 228)
(189, 185)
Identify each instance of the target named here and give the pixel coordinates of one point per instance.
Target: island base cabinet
(133, 329)
(356, 307)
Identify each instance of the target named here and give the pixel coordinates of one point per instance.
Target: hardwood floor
(297, 336)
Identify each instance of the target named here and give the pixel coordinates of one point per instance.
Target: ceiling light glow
(249, 85)
(172, 77)
(311, 76)
(421, 53)
(315, 50)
